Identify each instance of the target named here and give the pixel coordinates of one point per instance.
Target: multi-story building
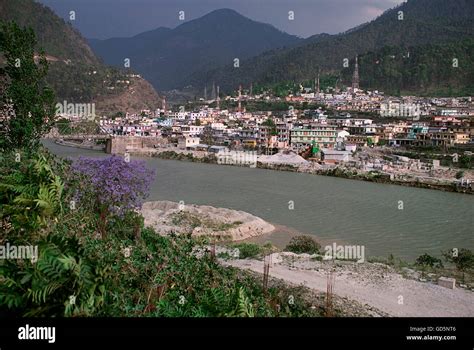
(362, 140)
(324, 136)
(441, 138)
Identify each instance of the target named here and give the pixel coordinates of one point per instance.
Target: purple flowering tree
(116, 186)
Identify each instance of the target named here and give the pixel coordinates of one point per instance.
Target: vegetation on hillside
(427, 24)
(434, 69)
(75, 74)
(26, 104)
(55, 36)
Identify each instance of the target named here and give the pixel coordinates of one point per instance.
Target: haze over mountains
(202, 51)
(168, 56)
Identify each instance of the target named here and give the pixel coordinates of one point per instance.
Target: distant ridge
(166, 57)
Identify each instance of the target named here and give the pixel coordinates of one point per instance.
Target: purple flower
(117, 185)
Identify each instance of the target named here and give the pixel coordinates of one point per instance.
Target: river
(404, 221)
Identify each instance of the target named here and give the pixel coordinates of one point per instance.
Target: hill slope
(167, 56)
(75, 73)
(424, 22)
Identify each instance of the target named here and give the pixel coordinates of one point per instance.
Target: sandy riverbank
(203, 220)
(373, 284)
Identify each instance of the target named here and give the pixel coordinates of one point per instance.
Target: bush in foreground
(303, 244)
(80, 273)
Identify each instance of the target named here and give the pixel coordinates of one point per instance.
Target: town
(360, 133)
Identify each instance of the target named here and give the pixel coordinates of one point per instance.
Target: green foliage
(303, 244)
(30, 191)
(124, 274)
(63, 281)
(428, 70)
(459, 175)
(465, 161)
(90, 82)
(58, 38)
(439, 24)
(427, 260)
(27, 102)
(64, 126)
(462, 259)
(248, 250)
(165, 277)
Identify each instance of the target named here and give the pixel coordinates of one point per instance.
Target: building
(186, 142)
(324, 136)
(362, 140)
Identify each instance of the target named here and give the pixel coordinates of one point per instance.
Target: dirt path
(375, 285)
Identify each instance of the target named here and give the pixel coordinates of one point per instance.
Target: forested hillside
(75, 73)
(417, 23)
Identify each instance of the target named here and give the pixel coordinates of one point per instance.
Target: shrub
(462, 259)
(63, 281)
(160, 276)
(30, 192)
(427, 260)
(248, 250)
(303, 244)
(114, 186)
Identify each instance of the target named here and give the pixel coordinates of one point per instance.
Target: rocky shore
(202, 220)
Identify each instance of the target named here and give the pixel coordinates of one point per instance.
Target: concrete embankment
(94, 147)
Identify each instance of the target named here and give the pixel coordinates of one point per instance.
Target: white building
(184, 142)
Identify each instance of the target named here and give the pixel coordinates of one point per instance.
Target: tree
(27, 102)
(427, 260)
(115, 186)
(465, 161)
(462, 259)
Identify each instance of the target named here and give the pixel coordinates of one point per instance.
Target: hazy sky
(113, 18)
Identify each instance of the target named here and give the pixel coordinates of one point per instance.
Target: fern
(245, 307)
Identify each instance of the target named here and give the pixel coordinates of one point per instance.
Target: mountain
(424, 22)
(58, 38)
(75, 73)
(166, 57)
